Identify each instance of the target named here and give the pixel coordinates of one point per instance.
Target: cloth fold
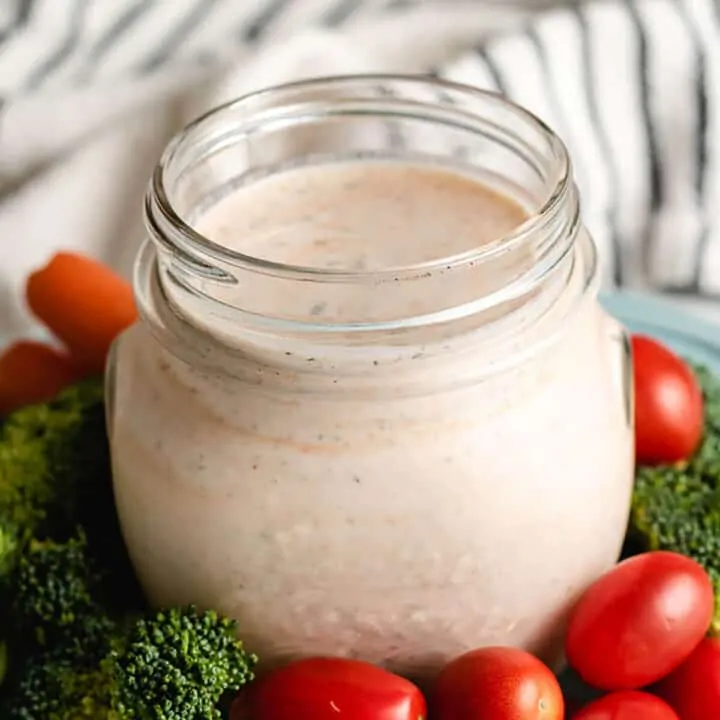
(93, 89)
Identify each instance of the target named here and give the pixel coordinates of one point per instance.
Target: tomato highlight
(639, 621)
(496, 684)
(328, 689)
(669, 412)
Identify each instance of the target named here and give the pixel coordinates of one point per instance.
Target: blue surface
(686, 334)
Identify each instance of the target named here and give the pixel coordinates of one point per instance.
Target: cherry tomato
(497, 684)
(627, 705)
(669, 413)
(328, 689)
(639, 621)
(693, 689)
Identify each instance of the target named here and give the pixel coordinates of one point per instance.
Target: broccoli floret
(60, 635)
(708, 455)
(677, 507)
(177, 665)
(55, 475)
(170, 665)
(51, 455)
(56, 598)
(81, 643)
(74, 658)
(58, 687)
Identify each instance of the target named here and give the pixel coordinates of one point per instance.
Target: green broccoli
(57, 598)
(60, 633)
(81, 644)
(51, 457)
(168, 665)
(176, 665)
(76, 653)
(55, 476)
(54, 686)
(678, 507)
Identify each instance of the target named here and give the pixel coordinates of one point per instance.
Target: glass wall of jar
(379, 447)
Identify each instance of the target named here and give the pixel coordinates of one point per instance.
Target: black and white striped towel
(92, 90)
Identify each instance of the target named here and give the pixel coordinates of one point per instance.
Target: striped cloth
(633, 88)
(92, 89)
(49, 44)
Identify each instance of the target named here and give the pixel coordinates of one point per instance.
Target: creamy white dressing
(331, 514)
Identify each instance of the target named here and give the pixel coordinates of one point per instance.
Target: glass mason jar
(443, 464)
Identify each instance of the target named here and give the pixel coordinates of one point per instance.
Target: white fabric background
(84, 119)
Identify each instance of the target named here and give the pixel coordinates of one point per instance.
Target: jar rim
(158, 200)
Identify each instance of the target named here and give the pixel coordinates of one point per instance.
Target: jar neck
(232, 295)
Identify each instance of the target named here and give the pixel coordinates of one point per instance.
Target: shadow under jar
(373, 407)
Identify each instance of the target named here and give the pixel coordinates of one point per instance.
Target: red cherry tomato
(329, 689)
(497, 684)
(639, 621)
(627, 705)
(693, 689)
(668, 404)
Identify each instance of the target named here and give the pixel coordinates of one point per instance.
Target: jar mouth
(279, 104)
